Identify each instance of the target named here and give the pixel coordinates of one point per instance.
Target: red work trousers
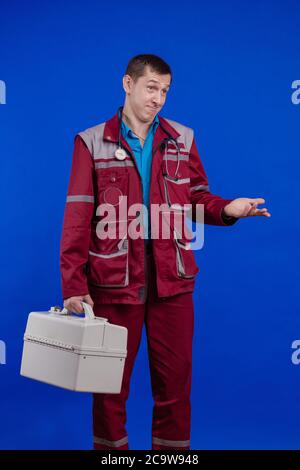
(169, 324)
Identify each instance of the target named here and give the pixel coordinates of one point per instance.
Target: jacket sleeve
(79, 209)
(200, 194)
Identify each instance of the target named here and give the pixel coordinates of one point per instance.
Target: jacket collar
(111, 129)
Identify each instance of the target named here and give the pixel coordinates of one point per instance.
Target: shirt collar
(126, 131)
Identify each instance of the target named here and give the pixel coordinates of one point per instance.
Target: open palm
(246, 207)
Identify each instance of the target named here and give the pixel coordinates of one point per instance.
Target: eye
(150, 87)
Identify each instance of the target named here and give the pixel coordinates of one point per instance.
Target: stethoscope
(121, 154)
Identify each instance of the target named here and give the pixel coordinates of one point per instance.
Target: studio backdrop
(236, 82)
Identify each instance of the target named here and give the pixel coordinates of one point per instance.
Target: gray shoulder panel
(93, 137)
(186, 133)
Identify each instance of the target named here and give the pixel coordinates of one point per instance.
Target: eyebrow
(156, 81)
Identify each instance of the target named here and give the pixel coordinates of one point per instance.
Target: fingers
(262, 212)
(252, 210)
(74, 304)
(257, 200)
(87, 298)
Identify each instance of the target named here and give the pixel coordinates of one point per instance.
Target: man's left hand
(246, 207)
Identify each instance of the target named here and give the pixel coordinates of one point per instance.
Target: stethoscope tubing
(120, 153)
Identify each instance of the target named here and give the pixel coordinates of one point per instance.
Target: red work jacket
(113, 270)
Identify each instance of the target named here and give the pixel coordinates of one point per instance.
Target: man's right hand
(74, 303)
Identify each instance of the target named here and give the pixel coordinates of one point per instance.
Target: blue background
(233, 65)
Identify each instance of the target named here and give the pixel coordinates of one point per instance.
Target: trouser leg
(109, 409)
(169, 328)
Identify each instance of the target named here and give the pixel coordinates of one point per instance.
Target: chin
(146, 117)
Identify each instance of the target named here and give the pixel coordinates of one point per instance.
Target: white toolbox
(85, 354)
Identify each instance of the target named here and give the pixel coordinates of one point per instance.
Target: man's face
(148, 94)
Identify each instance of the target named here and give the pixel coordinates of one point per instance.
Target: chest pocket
(176, 190)
(112, 186)
(176, 177)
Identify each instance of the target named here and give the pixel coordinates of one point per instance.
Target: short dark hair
(136, 66)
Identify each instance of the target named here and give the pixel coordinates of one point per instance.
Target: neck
(140, 128)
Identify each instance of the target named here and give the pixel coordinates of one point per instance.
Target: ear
(127, 83)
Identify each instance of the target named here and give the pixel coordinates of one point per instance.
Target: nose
(158, 99)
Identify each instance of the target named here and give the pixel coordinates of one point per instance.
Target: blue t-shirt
(143, 157)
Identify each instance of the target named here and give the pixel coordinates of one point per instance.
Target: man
(139, 156)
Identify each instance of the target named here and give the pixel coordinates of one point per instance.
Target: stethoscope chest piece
(120, 154)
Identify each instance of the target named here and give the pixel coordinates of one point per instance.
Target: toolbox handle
(88, 311)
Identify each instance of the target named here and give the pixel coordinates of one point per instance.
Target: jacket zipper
(145, 256)
(149, 216)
